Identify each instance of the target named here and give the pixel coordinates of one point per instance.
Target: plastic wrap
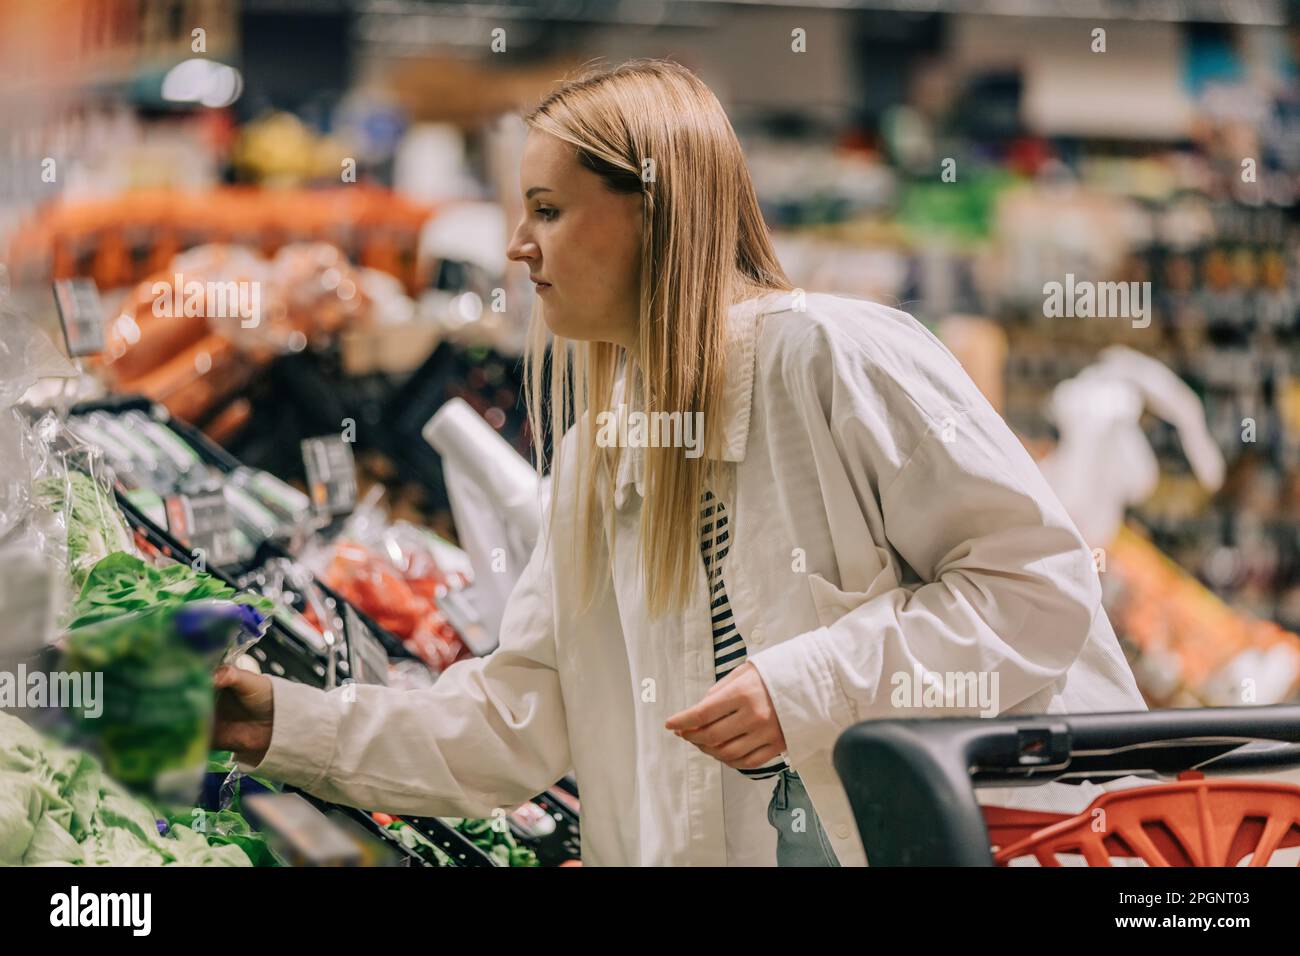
(32, 548)
(495, 499)
(76, 489)
(321, 288)
(289, 584)
(155, 635)
(153, 462)
(391, 572)
(367, 579)
(26, 357)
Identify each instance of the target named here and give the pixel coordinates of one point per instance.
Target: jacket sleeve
(1010, 588)
(490, 733)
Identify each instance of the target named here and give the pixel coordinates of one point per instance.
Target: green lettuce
(122, 583)
(227, 828)
(95, 527)
(157, 710)
(57, 807)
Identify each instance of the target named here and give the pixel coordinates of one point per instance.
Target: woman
(709, 609)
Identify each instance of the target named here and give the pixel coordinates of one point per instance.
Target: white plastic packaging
(496, 501)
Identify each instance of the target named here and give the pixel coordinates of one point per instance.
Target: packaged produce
(254, 519)
(30, 563)
(182, 457)
(291, 506)
(90, 518)
(402, 576)
(150, 503)
(154, 462)
(155, 635)
(321, 288)
(404, 606)
(86, 430)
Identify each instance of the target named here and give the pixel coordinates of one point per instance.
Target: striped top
(728, 645)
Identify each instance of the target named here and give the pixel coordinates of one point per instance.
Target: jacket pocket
(833, 602)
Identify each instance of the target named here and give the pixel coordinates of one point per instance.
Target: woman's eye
(547, 213)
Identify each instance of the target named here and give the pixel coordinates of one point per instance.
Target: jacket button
(842, 831)
(756, 636)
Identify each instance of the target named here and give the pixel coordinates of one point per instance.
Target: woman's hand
(735, 722)
(244, 714)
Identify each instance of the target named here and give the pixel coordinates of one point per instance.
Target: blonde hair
(704, 248)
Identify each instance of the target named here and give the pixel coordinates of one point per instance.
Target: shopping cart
(912, 783)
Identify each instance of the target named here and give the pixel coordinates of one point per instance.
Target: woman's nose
(520, 247)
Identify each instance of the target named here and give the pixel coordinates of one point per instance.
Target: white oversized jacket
(884, 521)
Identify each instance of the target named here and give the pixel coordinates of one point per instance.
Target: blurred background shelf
(358, 158)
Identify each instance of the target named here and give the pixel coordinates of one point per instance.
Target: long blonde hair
(704, 247)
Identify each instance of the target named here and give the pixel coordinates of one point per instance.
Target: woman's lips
(542, 287)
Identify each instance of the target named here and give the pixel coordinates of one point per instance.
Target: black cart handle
(911, 782)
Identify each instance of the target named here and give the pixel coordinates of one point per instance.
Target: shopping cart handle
(911, 782)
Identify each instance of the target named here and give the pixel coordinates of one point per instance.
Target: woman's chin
(550, 318)
(555, 321)
(566, 326)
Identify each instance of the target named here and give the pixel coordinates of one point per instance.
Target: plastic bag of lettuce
(156, 634)
(92, 526)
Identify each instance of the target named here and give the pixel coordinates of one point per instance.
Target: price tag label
(367, 659)
(203, 523)
(81, 316)
(307, 836)
(331, 474)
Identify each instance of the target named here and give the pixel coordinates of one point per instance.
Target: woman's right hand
(245, 712)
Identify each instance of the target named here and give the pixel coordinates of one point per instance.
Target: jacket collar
(737, 400)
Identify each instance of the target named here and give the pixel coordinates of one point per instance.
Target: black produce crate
(279, 649)
(562, 845)
(216, 456)
(450, 840)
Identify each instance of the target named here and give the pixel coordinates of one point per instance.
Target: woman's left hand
(735, 722)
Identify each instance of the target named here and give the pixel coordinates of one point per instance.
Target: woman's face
(582, 241)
